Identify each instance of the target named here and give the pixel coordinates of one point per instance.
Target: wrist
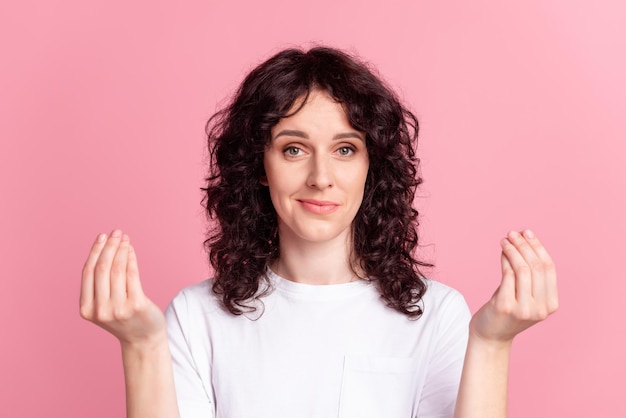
(148, 345)
(489, 344)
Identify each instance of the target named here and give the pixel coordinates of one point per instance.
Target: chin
(322, 235)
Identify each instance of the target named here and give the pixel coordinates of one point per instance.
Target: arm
(112, 298)
(526, 295)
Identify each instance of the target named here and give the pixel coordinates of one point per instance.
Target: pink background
(102, 108)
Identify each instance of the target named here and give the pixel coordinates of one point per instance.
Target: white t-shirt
(317, 351)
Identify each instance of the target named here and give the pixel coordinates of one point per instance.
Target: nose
(321, 173)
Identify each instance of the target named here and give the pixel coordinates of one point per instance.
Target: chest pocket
(378, 387)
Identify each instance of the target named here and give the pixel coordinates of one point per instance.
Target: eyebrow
(304, 135)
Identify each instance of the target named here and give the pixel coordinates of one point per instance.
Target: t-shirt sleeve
(446, 364)
(193, 393)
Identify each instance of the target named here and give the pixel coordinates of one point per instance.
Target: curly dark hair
(244, 240)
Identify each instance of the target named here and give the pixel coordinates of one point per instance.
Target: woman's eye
(345, 151)
(292, 151)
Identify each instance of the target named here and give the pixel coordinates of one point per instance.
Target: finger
(552, 294)
(133, 283)
(525, 249)
(102, 279)
(521, 269)
(537, 246)
(118, 270)
(536, 265)
(550, 278)
(539, 266)
(506, 291)
(87, 279)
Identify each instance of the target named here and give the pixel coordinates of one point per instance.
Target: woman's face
(316, 166)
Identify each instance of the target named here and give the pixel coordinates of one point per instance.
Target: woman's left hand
(526, 295)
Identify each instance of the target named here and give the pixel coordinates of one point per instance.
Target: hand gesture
(111, 295)
(526, 295)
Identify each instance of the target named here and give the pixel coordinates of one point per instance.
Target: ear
(263, 181)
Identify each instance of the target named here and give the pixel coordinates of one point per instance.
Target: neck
(318, 263)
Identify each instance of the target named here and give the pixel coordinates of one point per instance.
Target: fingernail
(125, 238)
(513, 234)
(529, 234)
(504, 242)
(101, 238)
(116, 233)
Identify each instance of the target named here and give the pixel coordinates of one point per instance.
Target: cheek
(281, 182)
(356, 178)
(281, 187)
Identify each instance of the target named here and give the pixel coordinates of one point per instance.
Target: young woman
(318, 307)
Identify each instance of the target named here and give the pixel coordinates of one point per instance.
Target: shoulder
(437, 291)
(195, 299)
(441, 299)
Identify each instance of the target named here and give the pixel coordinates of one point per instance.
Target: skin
(316, 166)
(315, 155)
(527, 295)
(112, 298)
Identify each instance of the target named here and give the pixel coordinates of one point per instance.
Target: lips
(320, 207)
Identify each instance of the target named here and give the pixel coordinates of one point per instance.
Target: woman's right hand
(111, 295)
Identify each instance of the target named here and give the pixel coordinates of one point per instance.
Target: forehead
(316, 111)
